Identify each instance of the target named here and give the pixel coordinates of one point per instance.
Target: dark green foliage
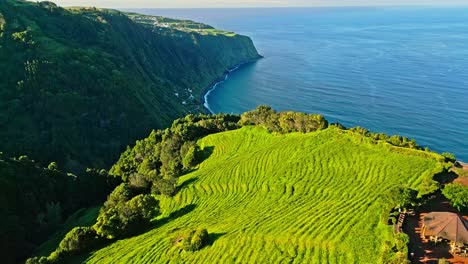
(80, 84)
(449, 157)
(395, 140)
(78, 240)
(195, 240)
(192, 155)
(400, 197)
(35, 200)
(82, 218)
(153, 166)
(160, 159)
(37, 260)
(457, 194)
(122, 218)
(283, 122)
(398, 253)
(394, 200)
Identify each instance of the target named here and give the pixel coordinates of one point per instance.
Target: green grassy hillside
(282, 198)
(80, 84)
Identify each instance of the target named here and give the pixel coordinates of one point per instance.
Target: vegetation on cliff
(286, 186)
(80, 84)
(34, 201)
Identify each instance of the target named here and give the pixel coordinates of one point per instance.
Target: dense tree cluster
(155, 163)
(120, 217)
(34, 201)
(283, 122)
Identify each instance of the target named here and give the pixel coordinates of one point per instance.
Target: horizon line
(279, 7)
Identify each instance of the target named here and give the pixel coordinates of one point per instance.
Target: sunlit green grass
(295, 198)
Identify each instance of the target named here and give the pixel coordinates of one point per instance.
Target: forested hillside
(34, 202)
(78, 85)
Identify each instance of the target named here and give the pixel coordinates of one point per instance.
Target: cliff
(79, 84)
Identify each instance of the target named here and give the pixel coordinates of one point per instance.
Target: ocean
(397, 70)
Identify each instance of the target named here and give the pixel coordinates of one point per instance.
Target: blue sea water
(398, 70)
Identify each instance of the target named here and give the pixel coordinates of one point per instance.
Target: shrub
(127, 218)
(400, 197)
(191, 158)
(401, 242)
(78, 240)
(449, 157)
(457, 194)
(37, 260)
(53, 166)
(195, 240)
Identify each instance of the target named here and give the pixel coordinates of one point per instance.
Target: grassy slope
(295, 198)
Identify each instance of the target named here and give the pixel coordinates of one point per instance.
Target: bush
(400, 197)
(126, 218)
(37, 260)
(449, 157)
(457, 194)
(401, 242)
(195, 240)
(78, 240)
(191, 158)
(166, 186)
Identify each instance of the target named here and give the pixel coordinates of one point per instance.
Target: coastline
(215, 83)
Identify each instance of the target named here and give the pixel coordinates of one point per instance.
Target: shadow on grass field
(176, 214)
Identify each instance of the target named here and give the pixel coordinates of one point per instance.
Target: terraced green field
(295, 198)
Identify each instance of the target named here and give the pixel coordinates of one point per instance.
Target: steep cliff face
(78, 85)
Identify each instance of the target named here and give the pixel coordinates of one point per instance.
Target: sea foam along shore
(205, 96)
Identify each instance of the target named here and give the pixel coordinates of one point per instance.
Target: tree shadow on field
(186, 183)
(176, 214)
(201, 155)
(205, 153)
(212, 237)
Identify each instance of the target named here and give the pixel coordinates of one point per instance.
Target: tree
(78, 240)
(191, 157)
(401, 197)
(457, 194)
(126, 218)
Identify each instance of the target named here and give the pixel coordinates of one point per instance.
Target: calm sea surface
(394, 70)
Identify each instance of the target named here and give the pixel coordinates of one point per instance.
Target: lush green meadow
(270, 198)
